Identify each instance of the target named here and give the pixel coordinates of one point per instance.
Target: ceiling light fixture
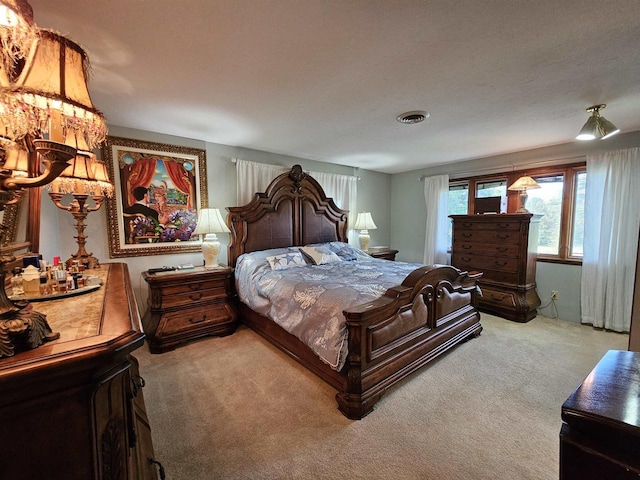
(597, 126)
(416, 116)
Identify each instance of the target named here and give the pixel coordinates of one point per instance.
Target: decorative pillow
(320, 255)
(286, 260)
(345, 251)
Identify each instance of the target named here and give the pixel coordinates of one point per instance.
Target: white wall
(58, 227)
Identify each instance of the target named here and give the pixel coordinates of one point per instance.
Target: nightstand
(187, 304)
(384, 253)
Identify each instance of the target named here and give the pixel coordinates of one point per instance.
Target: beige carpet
(237, 408)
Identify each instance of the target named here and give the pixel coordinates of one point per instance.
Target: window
(458, 204)
(547, 201)
(491, 188)
(577, 226)
(560, 201)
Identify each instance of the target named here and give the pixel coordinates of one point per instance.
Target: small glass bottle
(16, 282)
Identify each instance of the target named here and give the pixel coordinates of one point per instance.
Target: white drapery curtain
(344, 191)
(255, 177)
(612, 220)
(436, 195)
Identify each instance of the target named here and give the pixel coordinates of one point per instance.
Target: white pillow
(286, 260)
(320, 255)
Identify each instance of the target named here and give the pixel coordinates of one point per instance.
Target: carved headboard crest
(297, 176)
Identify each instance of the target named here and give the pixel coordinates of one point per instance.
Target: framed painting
(159, 190)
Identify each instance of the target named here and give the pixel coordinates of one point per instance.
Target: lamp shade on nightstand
(209, 223)
(364, 223)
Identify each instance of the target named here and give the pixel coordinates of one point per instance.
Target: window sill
(564, 261)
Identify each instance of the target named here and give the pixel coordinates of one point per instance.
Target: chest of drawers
(502, 247)
(184, 305)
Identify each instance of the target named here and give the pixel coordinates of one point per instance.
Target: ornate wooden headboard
(293, 211)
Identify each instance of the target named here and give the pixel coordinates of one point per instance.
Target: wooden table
(600, 436)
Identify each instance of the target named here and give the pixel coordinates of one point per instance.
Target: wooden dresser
(502, 247)
(73, 409)
(600, 435)
(187, 304)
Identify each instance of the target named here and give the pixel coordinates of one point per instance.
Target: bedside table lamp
(364, 223)
(522, 185)
(210, 222)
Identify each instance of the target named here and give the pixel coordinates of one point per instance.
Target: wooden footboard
(389, 338)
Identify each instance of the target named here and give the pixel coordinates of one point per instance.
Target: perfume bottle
(16, 282)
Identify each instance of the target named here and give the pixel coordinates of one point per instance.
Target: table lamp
(364, 223)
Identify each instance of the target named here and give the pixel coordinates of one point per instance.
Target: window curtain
(611, 225)
(436, 196)
(344, 191)
(253, 177)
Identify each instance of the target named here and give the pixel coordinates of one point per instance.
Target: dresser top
(609, 396)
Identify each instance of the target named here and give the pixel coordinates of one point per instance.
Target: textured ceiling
(325, 80)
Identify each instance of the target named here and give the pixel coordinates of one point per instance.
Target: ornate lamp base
(364, 239)
(23, 330)
(210, 251)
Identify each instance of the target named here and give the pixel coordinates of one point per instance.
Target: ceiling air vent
(416, 116)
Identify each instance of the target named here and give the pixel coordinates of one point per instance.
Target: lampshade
(597, 126)
(524, 183)
(51, 94)
(85, 173)
(364, 222)
(17, 34)
(210, 221)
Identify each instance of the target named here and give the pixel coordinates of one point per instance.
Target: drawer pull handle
(502, 249)
(498, 298)
(501, 264)
(466, 247)
(467, 235)
(198, 320)
(502, 237)
(465, 259)
(195, 286)
(503, 225)
(197, 296)
(467, 224)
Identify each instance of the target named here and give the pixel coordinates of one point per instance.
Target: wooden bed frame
(389, 338)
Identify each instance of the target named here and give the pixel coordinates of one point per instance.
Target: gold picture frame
(175, 181)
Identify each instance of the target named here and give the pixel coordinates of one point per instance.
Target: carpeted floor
(237, 408)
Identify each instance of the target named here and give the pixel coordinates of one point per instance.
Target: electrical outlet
(554, 294)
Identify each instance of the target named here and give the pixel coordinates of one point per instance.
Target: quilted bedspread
(308, 300)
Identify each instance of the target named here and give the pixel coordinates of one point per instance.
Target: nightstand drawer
(190, 297)
(194, 318)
